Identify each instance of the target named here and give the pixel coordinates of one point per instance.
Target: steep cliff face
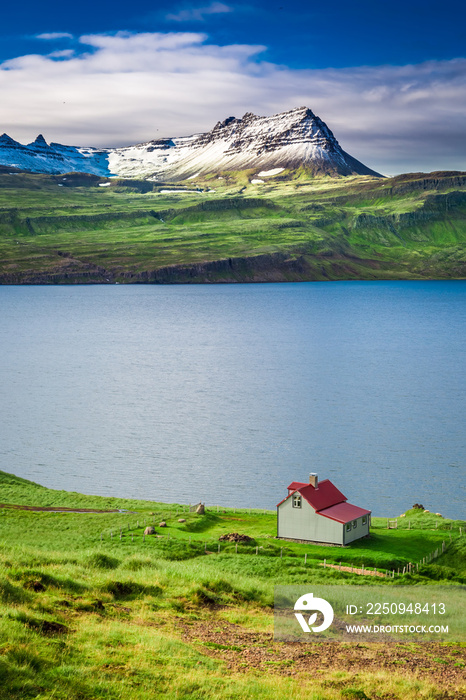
(273, 267)
(360, 228)
(293, 139)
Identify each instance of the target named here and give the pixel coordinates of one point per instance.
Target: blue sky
(388, 78)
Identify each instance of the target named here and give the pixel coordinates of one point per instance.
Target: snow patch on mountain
(271, 173)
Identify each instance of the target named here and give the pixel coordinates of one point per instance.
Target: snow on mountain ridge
(286, 140)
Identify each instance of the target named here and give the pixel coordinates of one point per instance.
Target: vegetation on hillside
(227, 228)
(90, 608)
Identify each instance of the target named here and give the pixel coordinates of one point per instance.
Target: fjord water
(226, 393)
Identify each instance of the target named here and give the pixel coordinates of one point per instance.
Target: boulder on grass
(181, 520)
(150, 530)
(200, 510)
(163, 524)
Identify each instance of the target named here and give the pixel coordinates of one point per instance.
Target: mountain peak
(287, 140)
(6, 140)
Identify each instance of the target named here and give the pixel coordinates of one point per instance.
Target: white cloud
(128, 88)
(52, 36)
(198, 14)
(66, 53)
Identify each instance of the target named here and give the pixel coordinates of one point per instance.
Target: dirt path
(353, 570)
(56, 509)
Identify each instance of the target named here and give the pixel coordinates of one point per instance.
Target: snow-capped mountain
(287, 140)
(40, 157)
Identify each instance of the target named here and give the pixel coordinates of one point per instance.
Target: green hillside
(82, 228)
(91, 608)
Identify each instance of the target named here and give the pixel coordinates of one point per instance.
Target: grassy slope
(82, 617)
(339, 228)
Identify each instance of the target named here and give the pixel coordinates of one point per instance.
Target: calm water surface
(227, 393)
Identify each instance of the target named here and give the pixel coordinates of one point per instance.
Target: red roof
(296, 485)
(324, 496)
(344, 512)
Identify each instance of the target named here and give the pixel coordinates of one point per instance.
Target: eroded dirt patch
(244, 649)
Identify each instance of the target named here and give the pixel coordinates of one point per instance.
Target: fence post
(236, 547)
(281, 552)
(101, 537)
(325, 563)
(219, 547)
(305, 558)
(257, 550)
(132, 537)
(111, 534)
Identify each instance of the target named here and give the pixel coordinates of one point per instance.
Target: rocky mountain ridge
(293, 139)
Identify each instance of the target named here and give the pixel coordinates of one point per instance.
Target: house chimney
(314, 481)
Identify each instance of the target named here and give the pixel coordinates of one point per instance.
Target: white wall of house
(305, 524)
(355, 532)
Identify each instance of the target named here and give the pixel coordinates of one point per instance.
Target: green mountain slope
(228, 228)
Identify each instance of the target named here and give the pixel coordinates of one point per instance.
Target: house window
(364, 519)
(355, 523)
(297, 501)
(348, 527)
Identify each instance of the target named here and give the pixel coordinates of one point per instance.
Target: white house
(319, 512)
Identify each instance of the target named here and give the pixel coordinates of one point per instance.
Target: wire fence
(207, 546)
(408, 524)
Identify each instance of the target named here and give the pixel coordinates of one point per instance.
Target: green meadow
(92, 608)
(225, 228)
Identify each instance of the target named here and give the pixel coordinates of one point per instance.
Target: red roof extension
(344, 512)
